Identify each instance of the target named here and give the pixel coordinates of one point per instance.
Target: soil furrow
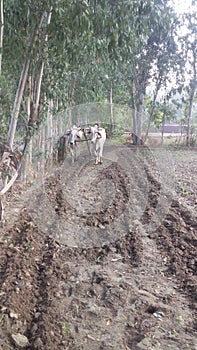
(136, 291)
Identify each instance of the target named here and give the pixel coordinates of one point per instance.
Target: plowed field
(85, 263)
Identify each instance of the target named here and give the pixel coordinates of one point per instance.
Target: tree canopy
(76, 51)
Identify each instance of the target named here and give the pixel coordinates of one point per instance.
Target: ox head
(94, 133)
(74, 134)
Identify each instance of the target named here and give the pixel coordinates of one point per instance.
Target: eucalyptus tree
(64, 35)
(1, 31)
(147, 50)
(189, 57)
(78, 59)
(164, 111)
(30, 19)
(91, 47)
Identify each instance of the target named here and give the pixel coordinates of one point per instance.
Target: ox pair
(97, 137)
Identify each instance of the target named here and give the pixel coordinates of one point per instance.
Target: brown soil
(134, 290)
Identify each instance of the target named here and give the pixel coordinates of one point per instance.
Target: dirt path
(68, 287)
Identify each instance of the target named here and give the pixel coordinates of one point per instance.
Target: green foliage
(6, 98)
(92, 46)
(161, 110)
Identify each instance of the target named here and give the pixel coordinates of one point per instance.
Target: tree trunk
(21, 85)
(38, 87)
(134, 112)
(111, 112)
(189, 119)
(137, 116)
(40, 147)
(162, 128)
(1, 32)
(139, 119)
(50, 134)
(28, 111)
(17, 103)
(158, 85)
(61, 125)
(147, 129)
(69, 123)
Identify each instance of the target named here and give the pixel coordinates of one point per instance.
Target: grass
(183, 188)
(6, 239)
(27, 246)
(117, 140)
(65, 328)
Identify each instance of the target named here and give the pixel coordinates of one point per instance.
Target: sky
(181, 6)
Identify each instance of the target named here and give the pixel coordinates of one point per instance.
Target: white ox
(97, 137)
(74, 135)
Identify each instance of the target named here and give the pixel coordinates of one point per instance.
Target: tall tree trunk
(50, 133)
(43, 148)
(28, 111)
(36, 95)
(17, 103)
(139, 118)
(38, 89)
(158, 85)
(162, 128)
(1, 32)
(21, 85)
(61, 124)
(133, 112)
(189, 119)
(137, 115)
(69, 123)
(111, 111)
(134, 133)
(39, 82)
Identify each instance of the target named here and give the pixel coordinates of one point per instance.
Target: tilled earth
(103, 257)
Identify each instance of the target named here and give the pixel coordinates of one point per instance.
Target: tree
(23, 79)
(69, 47)
(148, 57)
(189, 47)
(131, 42)
(1, 32)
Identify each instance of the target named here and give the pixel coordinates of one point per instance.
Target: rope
(86, 139)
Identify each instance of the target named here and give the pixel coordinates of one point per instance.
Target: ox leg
(75, 152)
(72, 152)
(97, 158)
(97, 154)
(101, 154)
(92, 149)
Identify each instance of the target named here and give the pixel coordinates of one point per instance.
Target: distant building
(174, 128)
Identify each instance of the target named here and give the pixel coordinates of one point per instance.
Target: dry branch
(9, 184)
(10, 161)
